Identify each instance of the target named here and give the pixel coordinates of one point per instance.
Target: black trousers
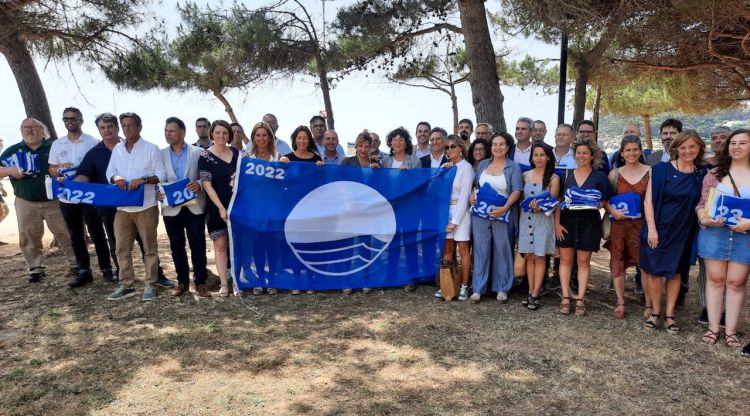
(76, 215)
(194, 226)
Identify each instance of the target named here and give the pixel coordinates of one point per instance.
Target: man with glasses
(202, 125)
(586, 130)
(33, 208)
(318, 129)
(135, 163)
(68, 152)
(93, 169)
(539, 131)
(422, 148)
(483, 131)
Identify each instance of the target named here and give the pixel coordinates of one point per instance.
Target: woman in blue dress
(668, 234)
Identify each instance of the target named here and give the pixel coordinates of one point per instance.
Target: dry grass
(390, 352)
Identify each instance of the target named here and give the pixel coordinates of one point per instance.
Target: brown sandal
(710, 337)
(565, 307)
(581, 309)
(731, 340)
(619, 311)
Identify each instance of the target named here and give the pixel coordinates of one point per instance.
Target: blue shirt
(179, 162)
(94, 164)
(336, 160)
(339, 150)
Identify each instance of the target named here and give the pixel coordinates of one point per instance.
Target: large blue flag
(308, 227)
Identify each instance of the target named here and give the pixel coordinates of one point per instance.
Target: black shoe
(35, 277)
(84, 276)
(746, 350)
(73, 271)
(721, 322)
(703, 319)
(109, 276)
(164, 282)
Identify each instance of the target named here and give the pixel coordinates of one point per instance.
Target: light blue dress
(536, 232)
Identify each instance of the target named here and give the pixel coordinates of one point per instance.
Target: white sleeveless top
(498, 183)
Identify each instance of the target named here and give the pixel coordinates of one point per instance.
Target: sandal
(619, 311)
(581, 309)
(672, 328)
(731, 340)
(650, 323)
(565, 307)
(647, 311)
(710, 337)
(224, 291)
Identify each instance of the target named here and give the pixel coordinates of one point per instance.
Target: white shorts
(463, 230)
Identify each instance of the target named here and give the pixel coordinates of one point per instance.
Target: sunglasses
(450, 146)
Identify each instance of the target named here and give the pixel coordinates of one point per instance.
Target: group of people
(515, 200)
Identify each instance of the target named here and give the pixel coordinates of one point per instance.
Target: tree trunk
(28, 81)
(579, 100)
(227, 107)
(454, 107)
(485, 83)
(597, 107)
(647, 127)
(325, 88)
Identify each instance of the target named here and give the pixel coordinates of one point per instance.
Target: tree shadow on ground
(388, 352)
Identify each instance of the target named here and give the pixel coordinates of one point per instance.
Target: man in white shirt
(436, 158)
(68, 152)
(564, 158)
(331, 155)
(135, 163)
(522, 152)
(668, 130)
(422, 148)
(181, 161)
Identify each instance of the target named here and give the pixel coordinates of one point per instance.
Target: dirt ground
(70, 352)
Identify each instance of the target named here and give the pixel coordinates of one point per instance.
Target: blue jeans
(492, 235)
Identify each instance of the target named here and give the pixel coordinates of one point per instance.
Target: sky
(359, 102)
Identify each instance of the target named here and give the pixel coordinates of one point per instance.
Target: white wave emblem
(340, 228)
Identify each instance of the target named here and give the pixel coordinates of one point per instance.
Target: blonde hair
(271, 138)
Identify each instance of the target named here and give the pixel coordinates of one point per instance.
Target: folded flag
(69, 173)
(26, 163)
(524, 168)
(577, 199)
(177, 193)
(101, 195)
(630, 202)
(730, 207)
(487, 201)
(543, 201)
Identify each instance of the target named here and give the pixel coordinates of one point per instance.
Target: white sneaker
(463, 294)
(502, 297)
(346, 291)
(296, 292)
(475, 298)
(439, 294)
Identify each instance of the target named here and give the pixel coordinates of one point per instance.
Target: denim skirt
(721, 243)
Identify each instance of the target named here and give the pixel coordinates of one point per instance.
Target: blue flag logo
(308, 227)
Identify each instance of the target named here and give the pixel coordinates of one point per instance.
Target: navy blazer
(427, 161)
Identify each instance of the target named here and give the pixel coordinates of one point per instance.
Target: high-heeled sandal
(619, 311)
(647, 311)
(581, 309)
(710, 337)
(650, 323)
(565, 307)
(672, 328)
(731, 340)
